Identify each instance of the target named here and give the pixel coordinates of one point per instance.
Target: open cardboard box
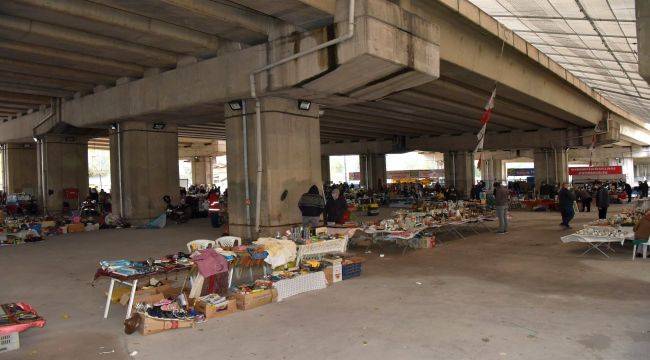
(212, 312)
(255, 299)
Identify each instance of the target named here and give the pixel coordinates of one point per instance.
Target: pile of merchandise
(164, 306)
(16, 230)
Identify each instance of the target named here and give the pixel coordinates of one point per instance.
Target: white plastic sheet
(594, 39)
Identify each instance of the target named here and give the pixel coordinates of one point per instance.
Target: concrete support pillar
(62, 164)
(459, 171)
(373, 170)
(551, 166)
(291, 163)
(144, 168)
(19, 168)
(202, 170)
(325, 168)
(491, 171)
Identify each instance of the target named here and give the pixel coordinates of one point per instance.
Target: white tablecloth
(300, 284)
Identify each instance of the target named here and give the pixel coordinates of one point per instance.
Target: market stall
(297, 265)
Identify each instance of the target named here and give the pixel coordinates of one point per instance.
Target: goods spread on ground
(214, 280)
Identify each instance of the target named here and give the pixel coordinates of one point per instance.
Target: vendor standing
(311, 206)
(501, 200)
(335, 207)
(566, 198)
(602, 200)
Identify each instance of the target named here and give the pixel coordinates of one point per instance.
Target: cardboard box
(333, 273)
(256, 299)
(150, 326)
(212, 311)
(75, 228)
(166, 290)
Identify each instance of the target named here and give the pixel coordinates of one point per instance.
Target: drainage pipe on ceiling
(258, 115)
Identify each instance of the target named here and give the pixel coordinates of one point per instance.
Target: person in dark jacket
(602, 200)
(311, 206)
(628, 191)
(566, 198)
(335, 207)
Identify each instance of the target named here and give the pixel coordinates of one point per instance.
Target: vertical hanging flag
(484, 120)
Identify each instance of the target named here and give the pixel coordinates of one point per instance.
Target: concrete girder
(305, 14)
(23, 88)
(9, 110)
(54, 72)
(16, 106)
(394, 127)
(23, 98)
(471, 40)
(46, 82)
(438, 113)
(511, 140)
(395, 112)
(211, 17)
(39, 33)
(452, 90)
(56, 57)
(389, 42)
(381, 110)
(88, 16)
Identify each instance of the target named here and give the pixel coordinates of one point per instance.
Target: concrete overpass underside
(418, 70)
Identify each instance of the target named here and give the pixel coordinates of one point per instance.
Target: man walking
(501, 200)
(602, 200)
(628, 191)
(566, 197)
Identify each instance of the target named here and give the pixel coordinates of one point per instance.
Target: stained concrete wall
(22, 174)
(65, 159)
(149, 169)
(291, 161)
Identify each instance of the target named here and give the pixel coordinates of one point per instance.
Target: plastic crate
(351, 270)
(9, 342)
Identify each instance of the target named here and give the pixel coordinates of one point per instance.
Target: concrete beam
(46, 82)
(399, 49)
(23, 98)
(56, 72)
(44, 34)
(57, 57)
(511, 140)
(85, 15)
(21, 88)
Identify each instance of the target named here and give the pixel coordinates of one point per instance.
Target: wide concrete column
(202, 170)
(291, 162)
(550, 166)
(643, 36)
(144, 168)
(459, 171)
(373, 170)
(325, 168)
(65, 166)
(19, 167)
(492, 170)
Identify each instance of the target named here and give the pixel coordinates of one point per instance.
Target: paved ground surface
(523, 295)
